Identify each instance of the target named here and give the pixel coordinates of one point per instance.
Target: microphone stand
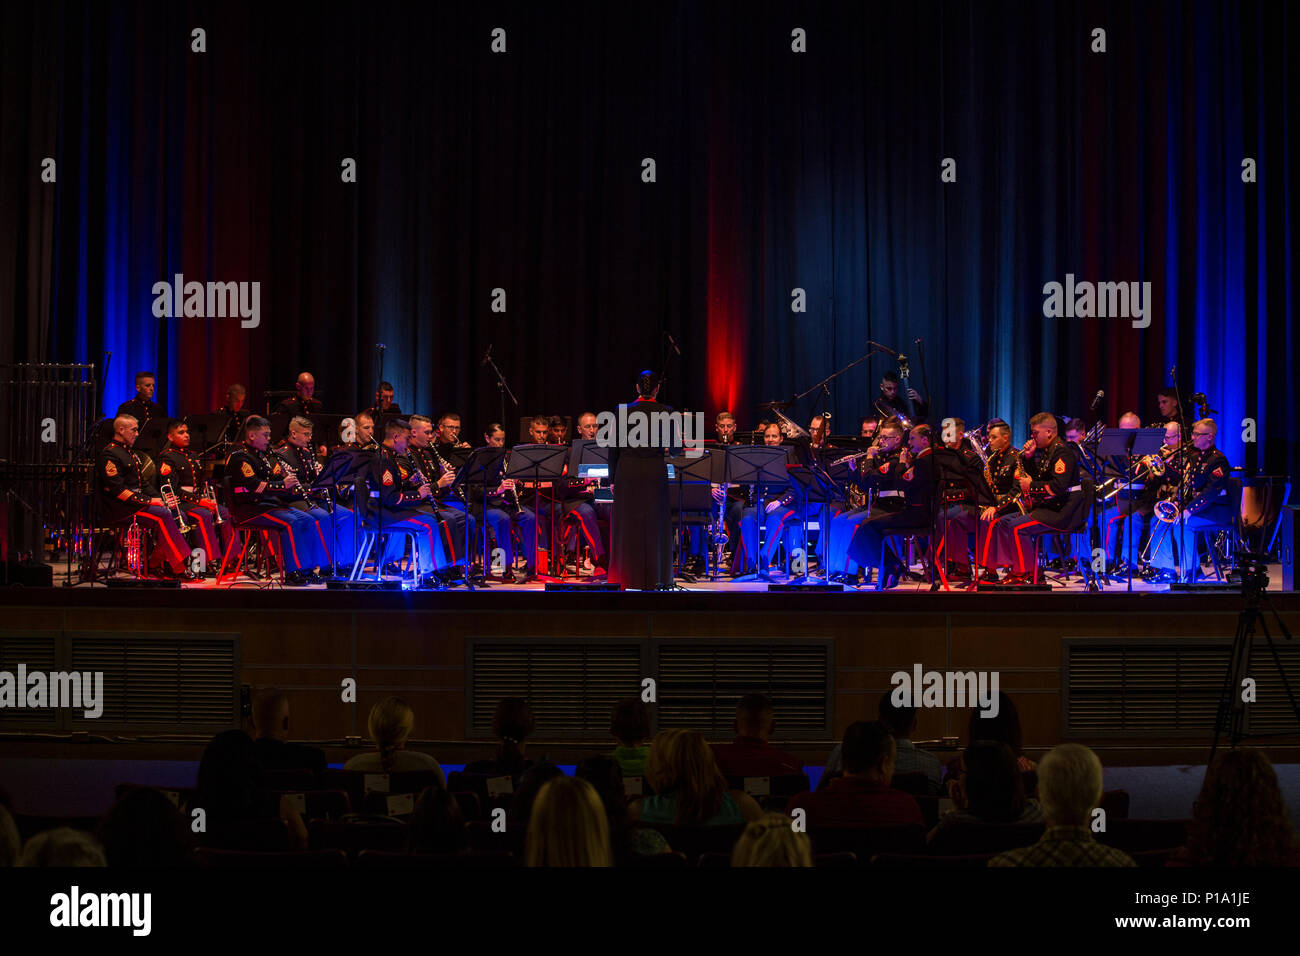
(503, 389)
(1182, 473)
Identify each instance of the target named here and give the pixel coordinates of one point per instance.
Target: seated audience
(512, 724)
(568, 826)
(390, 724)
(604, 775)
(901, 722)
(271, 735)
(630, 725)
(144, 829)
(750, 754)
(231, 789)
(1004, 728)
(989, 789)
(11, 844)
(530, 784)
(437, 824)
(771, 841)
(1069, 789)
(1240, 818)
(62, 847)
(862, 796)
(689, 789)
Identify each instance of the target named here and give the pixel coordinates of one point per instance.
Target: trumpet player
(1205, 503)
(184, 472)
(263, 486)
(296, 451)
(1048, 475)
(124, 496)
(914, 479)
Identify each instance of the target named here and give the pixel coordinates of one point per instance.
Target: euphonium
(133, 550)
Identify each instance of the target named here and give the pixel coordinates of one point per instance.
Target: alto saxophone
(1023, 501)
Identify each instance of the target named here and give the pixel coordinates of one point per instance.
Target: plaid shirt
(1064, 846)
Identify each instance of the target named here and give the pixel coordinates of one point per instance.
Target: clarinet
(447, 467)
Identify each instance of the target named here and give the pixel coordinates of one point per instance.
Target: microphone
(883, 348)
(1096, 400)
(487, 356)
(673, 342)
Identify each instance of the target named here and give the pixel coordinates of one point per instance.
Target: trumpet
(174, 503)
(211, 495)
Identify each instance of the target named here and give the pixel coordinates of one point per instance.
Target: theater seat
(209, 858)
(354, 782)
(482, 838)
(866, 842)
(382, 860)
(914, 860)
(321, 804)
(354, 835)
(295, 779)
(695, 841)
(962, 839)
(1138, 835)
(916, 783)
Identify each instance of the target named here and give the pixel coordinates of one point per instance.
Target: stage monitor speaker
(23, 574)
(1288, 537)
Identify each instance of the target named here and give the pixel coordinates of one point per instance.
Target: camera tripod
(1231, 714)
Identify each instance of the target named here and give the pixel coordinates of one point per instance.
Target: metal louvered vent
(570, 685)
(37, 653)
(161, 683)
(699, 685)
(1171, 689)
(1271, 712)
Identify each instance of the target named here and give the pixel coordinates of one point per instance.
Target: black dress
(640, 529)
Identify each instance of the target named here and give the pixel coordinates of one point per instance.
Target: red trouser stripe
(1020, 556)
(203, 531)
(162, 533)
(428, 529)
(324, 547)
(293, 546)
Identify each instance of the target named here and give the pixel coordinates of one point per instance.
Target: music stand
(692, 470)
(1131, 444)
(483, 467)
(950, 465)
(760, 466)
(340, 468)
(533, 464)
(811, 483)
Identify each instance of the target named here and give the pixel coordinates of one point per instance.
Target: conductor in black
(641, 550)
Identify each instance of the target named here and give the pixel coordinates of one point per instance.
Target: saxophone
(1022, 499)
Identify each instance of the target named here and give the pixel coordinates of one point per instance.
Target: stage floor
(1056, 582)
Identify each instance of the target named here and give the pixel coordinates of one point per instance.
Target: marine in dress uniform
(263, 488)
(123, 495)
(185, 474)
(1053, 472)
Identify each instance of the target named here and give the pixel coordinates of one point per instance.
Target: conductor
(641, 551)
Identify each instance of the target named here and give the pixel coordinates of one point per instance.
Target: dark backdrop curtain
(775, 171)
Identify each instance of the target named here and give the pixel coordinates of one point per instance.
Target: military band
(994, 511)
